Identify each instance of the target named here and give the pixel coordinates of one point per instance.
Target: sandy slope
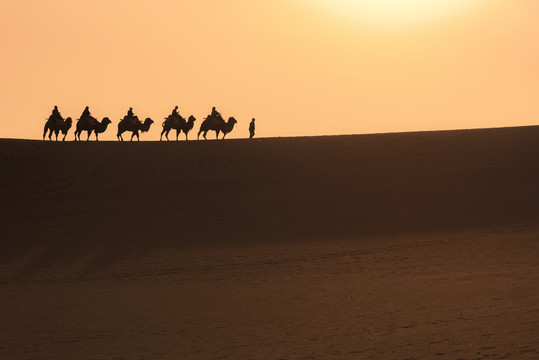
(391, 246)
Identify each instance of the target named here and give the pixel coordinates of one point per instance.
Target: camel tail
(45, 129)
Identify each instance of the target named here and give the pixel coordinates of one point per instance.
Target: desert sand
(389, 246)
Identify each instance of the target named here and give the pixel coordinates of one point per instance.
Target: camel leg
(64, 138)
(45, 131)
(217, 134)
(178, 134)
(161, 137)
(96, 138)
(205, 138)
(88, 138)
(224, 134)
(56, 134)
(135, 133)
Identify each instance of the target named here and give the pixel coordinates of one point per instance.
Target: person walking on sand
(252, 129)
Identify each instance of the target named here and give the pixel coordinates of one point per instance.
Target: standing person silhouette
(252, 129)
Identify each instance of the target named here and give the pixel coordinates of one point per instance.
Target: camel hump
(169, 120)
(88, 118)
(175, 120)
(215, 120)
(131, 119)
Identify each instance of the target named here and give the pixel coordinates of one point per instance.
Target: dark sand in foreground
(390, 246)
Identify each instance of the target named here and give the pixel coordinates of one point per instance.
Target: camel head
(192, 119)
(146, 126)
(231, 120)
(106, 121)
(67, 125)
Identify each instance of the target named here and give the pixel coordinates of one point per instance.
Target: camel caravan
(130, 122)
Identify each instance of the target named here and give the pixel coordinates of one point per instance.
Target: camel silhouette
(89, 123)
(217, 124)
(178, 123)
(134, 125)
(56, 124)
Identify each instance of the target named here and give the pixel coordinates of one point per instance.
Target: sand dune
(389, 246)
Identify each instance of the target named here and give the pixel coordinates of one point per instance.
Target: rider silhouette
(130, 116)
(56, 115)
(214, 113)
(175, 111)
(86, 114)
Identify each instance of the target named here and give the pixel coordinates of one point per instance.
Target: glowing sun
(396, 12)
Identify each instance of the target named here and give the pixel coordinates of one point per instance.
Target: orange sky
(299, 69)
